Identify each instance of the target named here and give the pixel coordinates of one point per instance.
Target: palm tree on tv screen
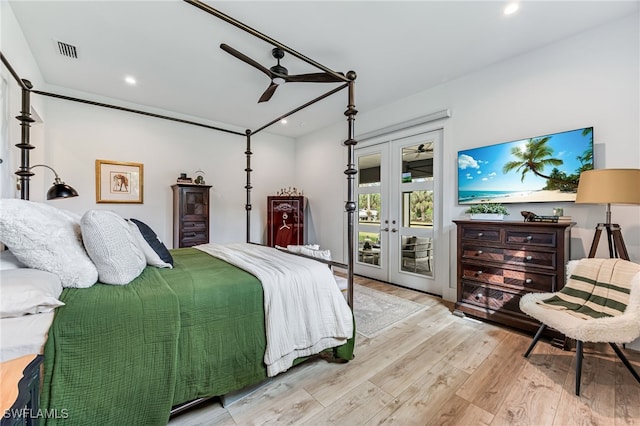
(534, 158)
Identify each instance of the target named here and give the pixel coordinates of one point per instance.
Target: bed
(159, 328)
(128, 354)
(130, 349)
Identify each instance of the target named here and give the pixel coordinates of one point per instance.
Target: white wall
(78, 134)
(591, 79)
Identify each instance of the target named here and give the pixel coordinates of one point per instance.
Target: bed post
(350, 205)
(248, 186)
(25, 124)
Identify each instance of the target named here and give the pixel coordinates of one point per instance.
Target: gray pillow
(112, 247)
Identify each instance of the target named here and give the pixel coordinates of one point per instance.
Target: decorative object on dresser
(532, 217)
(609, 186)
(190, 214)
(500, 262)
(119, 182)
(20, 380)
(285, 220)
(487, 211)
(199, 180)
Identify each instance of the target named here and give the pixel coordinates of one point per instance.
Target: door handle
(394, 230)
(385, 229)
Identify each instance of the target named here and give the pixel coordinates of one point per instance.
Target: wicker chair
(415, 251)
(614, 318)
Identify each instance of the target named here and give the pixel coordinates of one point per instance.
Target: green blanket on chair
(596, 289)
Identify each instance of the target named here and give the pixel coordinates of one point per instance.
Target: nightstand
(20, 380)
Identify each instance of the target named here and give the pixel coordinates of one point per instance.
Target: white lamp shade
(609, 186)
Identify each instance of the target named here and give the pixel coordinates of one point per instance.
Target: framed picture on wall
(119, 182)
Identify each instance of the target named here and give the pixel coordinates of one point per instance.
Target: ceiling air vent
(67, 50)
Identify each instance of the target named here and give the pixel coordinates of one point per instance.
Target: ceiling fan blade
(268, 93)
(246, 59)
(319, 77)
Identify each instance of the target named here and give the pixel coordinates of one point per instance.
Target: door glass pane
(369, 208)
(417, 255)
(417, 162)
(417, 209)
(369, 170)
(369, 247)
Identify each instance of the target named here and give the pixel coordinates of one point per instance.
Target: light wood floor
(435, 368)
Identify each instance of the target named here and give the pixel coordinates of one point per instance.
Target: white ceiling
(396, 48)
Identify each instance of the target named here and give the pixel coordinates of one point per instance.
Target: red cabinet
(285, 220)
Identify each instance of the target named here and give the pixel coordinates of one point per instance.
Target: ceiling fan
(279, 74)
(422, 148)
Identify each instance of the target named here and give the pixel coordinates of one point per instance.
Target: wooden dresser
(498, 262)
(190, 215)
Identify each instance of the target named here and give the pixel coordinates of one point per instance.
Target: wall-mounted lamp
(59, 188)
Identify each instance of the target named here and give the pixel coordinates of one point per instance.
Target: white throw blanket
(305, 312)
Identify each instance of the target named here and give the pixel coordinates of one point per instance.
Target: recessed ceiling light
(130, 80)
(283, 121)
(511, 8)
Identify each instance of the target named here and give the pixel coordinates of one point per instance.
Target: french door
(397, 204)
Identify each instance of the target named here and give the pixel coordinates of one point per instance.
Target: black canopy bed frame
(24, 171)
(347, 81)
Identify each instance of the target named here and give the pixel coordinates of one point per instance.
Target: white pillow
(8, 261)
(112, 247)
(320, 254)
(150, 254)
(46, 238)
(28, 291)
(296, 249)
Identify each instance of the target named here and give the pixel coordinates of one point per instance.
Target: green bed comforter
(121, 355)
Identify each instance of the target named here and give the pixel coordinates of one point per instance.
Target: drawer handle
(190, 234)
(480, 234)
(478, 296)
(528, 281)
(479, 252)
(529, 238)
(528, 258)
(479, 273)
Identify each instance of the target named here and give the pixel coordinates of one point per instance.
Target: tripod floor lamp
(609, 186)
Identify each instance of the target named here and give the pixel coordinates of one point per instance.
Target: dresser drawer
(538, 238)
(540, 259)
(474, 233)
(486, 274)
(479, 252)
(196, 226)
(194, 233)
(517, 280)
(490, 297)
(193, 241)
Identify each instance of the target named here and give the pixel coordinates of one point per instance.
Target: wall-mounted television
(539, 169)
